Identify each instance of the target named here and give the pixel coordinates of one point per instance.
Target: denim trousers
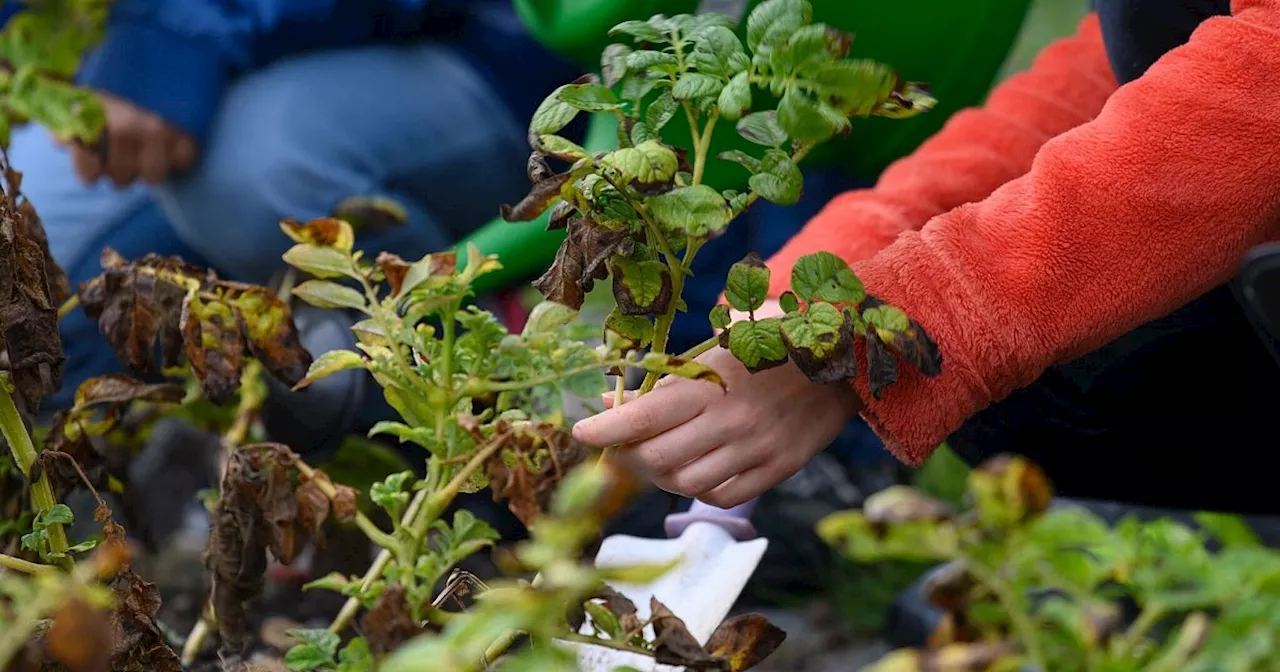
(414, 123)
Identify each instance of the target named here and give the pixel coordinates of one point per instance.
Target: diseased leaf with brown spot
(641, 287)
(622, 607)
(949, 587)
(80, 638)
(579, 263)
(114, 389)
(30, 285)
(322, 231)
(389, 624)
(546, 189)
(673, 645)
(536, 457)
(1010, 487)
(560, 215)
(673, 365)
(902, 504)
(904, 335)
(820, 342)
(214, 346)
(882, 368)
(745, 641)
(267, 324)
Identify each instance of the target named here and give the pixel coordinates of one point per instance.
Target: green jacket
(956, 46)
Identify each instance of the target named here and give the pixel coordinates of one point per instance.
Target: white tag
(734, 9)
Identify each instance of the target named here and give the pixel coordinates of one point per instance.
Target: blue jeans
(417, 124)
(764, 229)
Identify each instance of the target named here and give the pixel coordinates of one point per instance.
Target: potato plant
(1029, 586)
(641, 213)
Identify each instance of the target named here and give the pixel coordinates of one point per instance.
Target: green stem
(348, 611)
(444, 497)
(701, 348)
(1009, 602)
(606, 643)
(500, 645)
(24, 566)
(480, 386)
(68, 306)
(25, 455)
(662, 325)
(1143, 624)
(703, 147)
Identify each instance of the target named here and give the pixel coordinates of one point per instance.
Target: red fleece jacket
(1064, 213)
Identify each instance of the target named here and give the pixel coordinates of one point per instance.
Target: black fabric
(1176, 413)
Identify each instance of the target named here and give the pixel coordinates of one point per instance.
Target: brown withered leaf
(257, 511)
(831, 358)
(674, 645)
(80, 638)
(1015, 482)
(543, 193)
(313, 508)
(138, 313)
(138, 643)
(394, 268)
(29, 300)
(389, 624)
(345, 504)
(214, 346)
(621, 606)
(580, 261)
(882, 368)
(560, 215)
(322, 231)
(527, 470)
(745, 641)
(949, 587)
(268, 328)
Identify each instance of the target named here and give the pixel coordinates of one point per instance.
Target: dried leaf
(902, 504)
(882, 368)
(673, 645)
(268, 328)
(533, 462)
(139, 644)
(544, 192)
(114, 389)
(620, 606)
(394, 268)
(214, 346)
(389, 624)
(579, 263)
(903, 335)
(745, 641)
(313, 508)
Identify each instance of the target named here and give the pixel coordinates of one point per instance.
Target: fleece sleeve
(977, 151)
(174, 57)
(1118, 222)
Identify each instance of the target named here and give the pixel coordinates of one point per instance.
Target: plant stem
(443, 497)
(500, 645)
(68, 306)
(352, 605)
(20, 565)
(619, 396)
(25, 455)
(195, 640)
(701, 348)
(524, 384)
(606, 643)
(703, 146)
(662, 325)
(1021, 622)
(1145, 621)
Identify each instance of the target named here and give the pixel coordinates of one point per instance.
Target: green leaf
(590, 97)
(587, 384)
(694, 85)
(672, 365)
(642, 31)
(638, 574)
(613, 63)
(1228, 529)
(603, 619)
(820, 342)
(356, 657)
(639, 61)
(720, 317)
(809, 120)
(548, 317)
(825, 277)
(58, 514)
(647, 163)
(641, 287)
(762, 128)
(330, 363)
(747, 286)
(552, 115)
(886, 318)
(758, 343)
(636, 330)
(815, 44)
(322, 262)
(641, 132)
(776, 20)
(788, 302)
(421, 436)
(778, 179)
(718, 52)
(660, 111)
(389, 493)
(316, 650)
(325, 294)
(741, 158)
(560, 148)
(696, 211)
(735, 98)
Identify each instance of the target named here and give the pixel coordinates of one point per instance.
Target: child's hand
(726, 448)
(138, 144)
